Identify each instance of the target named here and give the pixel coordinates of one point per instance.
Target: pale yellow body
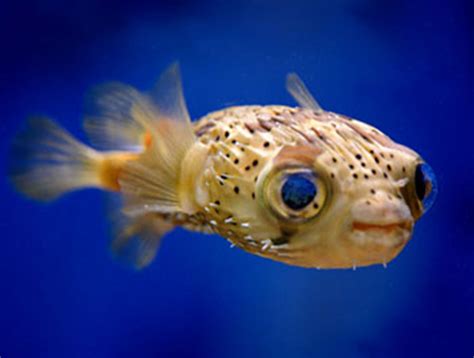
(224, 173)
(241, 143)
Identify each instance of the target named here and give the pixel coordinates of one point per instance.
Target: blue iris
(298, 191)
(425, 185)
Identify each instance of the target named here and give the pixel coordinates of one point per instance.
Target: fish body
(298, 185)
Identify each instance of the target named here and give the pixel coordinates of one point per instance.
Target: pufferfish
(299, 185)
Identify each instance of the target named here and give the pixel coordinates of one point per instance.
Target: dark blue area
(298, 191)
(426, 185)
(405, 66)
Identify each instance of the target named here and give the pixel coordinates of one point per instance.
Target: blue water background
(405, 66)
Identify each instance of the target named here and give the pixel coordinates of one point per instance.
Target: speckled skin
(366, 218)
(225, 173)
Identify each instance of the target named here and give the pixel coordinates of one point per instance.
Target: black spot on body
(236, 189)
(266, 144)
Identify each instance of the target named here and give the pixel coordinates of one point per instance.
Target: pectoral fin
(152, 183)
(300, 93)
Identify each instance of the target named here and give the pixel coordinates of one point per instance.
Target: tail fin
(46, 162)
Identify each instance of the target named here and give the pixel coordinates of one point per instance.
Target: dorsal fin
(151, 183)
(300, 92)
(108, 118)
(110, 121)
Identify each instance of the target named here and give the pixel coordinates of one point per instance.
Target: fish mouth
(389, 227)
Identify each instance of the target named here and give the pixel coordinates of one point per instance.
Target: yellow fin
(300, 93)
(151, 183)
(137, 239)
(109, 120)
(46, 161)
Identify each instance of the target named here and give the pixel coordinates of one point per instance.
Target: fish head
(350, 200)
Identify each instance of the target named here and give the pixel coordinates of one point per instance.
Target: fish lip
(387, 227)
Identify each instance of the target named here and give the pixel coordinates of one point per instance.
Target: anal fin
(137, 239)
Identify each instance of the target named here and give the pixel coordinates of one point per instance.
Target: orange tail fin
(46, 162)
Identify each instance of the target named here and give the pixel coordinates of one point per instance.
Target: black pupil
(298, 191)
(420, 182)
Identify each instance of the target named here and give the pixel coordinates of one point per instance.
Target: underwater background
(405, 66)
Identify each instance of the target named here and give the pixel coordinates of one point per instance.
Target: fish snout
(384, 212)
(378, 231)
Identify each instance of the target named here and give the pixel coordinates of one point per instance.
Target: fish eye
(295, 194)
(426, 187)
(298, 191)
